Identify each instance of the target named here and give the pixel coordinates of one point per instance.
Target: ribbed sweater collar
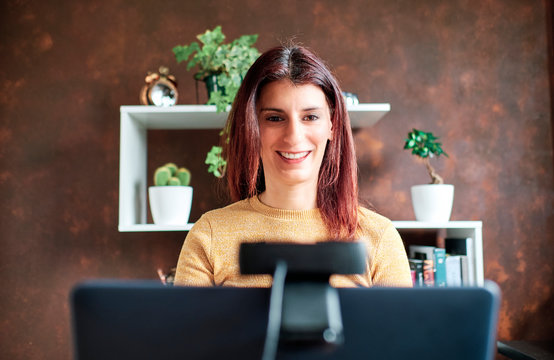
(283, 214)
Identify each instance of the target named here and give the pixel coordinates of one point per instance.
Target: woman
(293, 176)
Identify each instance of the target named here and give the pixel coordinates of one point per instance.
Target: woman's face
(295, 124)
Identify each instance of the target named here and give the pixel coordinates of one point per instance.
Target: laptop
(147, 320)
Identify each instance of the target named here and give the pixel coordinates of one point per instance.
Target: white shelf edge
(142, 109)
(433, 225)
(369, 107)
(154, 227)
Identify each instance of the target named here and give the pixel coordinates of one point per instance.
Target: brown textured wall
(475, 72)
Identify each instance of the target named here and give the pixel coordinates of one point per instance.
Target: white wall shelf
(136, 120)
(154, 227)
(457, 229)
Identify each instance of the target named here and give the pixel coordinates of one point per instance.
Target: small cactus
(171, 175)
(173, 181)
(172, 167)
(162, 176)
(184, 176)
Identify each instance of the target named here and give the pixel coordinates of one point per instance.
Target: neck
(290, 198)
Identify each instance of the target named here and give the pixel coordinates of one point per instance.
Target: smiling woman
(293, 176)
(295, 126)
(337, 187)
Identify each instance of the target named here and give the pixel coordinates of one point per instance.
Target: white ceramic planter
(432, 202)
(170, 205)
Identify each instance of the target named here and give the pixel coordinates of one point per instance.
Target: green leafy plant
(171, 175)
(424, 145)
(217, 164)
(227, 62)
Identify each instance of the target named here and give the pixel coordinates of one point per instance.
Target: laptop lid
(146, 320)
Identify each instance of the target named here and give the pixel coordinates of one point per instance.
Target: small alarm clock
(160, 89)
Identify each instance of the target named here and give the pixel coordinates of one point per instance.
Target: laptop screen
(146, 320)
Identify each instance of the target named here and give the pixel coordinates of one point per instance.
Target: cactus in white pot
(171, 195)
(170, 175)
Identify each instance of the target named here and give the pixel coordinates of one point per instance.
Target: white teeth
(293, 156)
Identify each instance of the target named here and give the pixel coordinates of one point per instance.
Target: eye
(274, 118)
(311, 117)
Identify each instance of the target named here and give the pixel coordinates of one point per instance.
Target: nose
(293, 131)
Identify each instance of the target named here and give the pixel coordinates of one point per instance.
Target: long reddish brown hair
(337, 193)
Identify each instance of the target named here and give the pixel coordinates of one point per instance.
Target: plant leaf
(212, 36)
(215, 161)
(182, 53)
(423, 144)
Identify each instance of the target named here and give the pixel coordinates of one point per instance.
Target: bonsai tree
(170, 175)
(227, 62)
(424, 145)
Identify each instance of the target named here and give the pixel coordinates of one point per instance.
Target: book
(453, 270)
(428, 273)
(422, 252)
(457, 270)
(437, 256)
(440, 267)
(463, 246)
(427, 254)
(464, 269)
(416, 268)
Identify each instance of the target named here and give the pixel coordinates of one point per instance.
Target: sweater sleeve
(194, 267)
(390, 265)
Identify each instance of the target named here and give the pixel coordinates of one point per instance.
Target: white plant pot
(432, 202)
(170, 205)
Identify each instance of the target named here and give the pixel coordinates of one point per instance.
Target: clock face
(162, 94)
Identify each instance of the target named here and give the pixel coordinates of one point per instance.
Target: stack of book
(452, 266)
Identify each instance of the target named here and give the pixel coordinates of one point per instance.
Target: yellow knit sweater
(210, 253)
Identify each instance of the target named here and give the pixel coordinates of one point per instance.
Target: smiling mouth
(293, 156)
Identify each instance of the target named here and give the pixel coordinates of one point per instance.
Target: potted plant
(171, 196)
(221, 66)
(431, 202)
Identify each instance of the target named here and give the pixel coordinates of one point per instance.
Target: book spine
(428, 273)
(464, 269)
(463, 246)
(416, 266)
(453, 271)
(440, 267)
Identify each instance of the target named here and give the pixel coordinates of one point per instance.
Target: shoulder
(228, 214)
(215, 222)
(373, 224)
(238, 206)
(368, 217)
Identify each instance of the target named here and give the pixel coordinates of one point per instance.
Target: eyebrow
(282, 111)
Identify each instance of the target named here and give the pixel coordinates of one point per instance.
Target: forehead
(284, 93)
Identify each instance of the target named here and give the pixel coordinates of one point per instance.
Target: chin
(295, 179)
